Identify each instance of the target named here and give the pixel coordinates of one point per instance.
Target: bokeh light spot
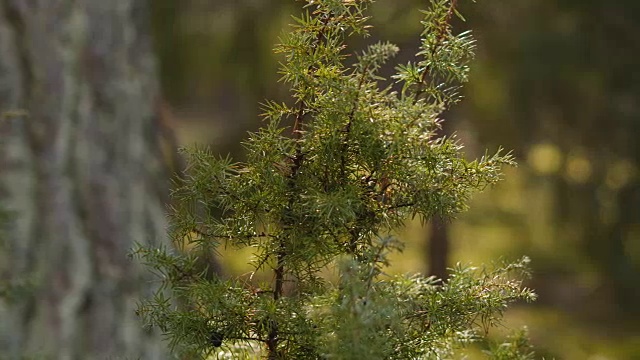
(578, 169)
(545, 158)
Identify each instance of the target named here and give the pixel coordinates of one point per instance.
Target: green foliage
(359, 159)
(516, 347)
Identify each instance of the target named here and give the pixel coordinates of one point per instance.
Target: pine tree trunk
(80, 174)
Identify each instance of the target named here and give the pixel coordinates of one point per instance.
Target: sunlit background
(556, 81)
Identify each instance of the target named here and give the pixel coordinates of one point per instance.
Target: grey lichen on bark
(80, 175)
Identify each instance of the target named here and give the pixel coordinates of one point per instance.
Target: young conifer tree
(359, 159)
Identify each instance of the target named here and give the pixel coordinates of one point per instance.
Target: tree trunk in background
(438, 255)
(438, 229)
(81, 175)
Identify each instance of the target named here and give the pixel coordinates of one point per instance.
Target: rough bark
(81, 175)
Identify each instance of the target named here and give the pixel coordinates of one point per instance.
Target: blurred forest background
(556, 81)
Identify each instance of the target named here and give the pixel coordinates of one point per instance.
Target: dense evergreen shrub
(363, 154)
